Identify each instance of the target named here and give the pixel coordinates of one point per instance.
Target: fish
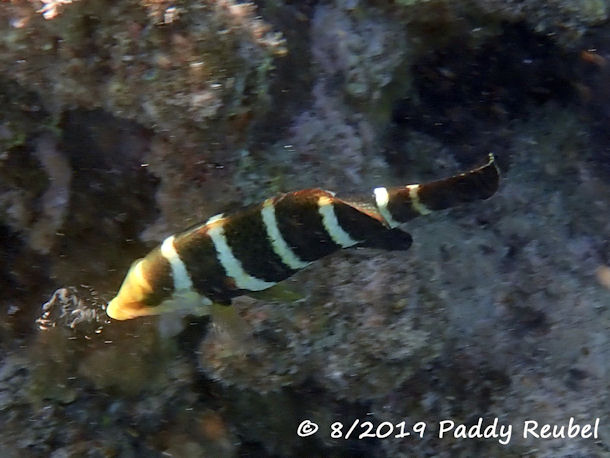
(253, 249)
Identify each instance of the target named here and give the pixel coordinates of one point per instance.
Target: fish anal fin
(282, 292)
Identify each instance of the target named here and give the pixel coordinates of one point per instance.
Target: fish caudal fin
(398, 205)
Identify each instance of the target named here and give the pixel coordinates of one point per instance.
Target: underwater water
(124, 122)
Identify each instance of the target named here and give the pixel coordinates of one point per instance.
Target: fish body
(261, 245)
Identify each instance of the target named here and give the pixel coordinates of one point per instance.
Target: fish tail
(401, 204)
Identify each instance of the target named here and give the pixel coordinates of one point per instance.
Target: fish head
(133, 298)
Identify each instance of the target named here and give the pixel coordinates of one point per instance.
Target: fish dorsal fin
(363, 204)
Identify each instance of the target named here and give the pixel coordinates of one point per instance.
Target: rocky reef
(122, 122)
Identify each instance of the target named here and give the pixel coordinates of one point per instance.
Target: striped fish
(255, 248)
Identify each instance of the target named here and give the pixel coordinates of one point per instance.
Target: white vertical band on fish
(230, 263)
(415, 202)
(381, 199)
(182, 280)
(279, 245)
(332, 226)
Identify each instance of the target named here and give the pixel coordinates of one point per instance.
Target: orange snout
(128, 303)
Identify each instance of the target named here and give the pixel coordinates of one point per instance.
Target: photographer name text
(482, 429)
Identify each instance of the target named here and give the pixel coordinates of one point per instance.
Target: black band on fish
(300, 224)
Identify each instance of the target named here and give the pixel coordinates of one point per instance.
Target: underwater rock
(459, 90)
(12, 377)
(207, 62)
(20, 196)
(195, 73)
(56, 199)
(568, 19)
(358, 51)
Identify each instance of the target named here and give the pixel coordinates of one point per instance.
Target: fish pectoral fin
(186, 303)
